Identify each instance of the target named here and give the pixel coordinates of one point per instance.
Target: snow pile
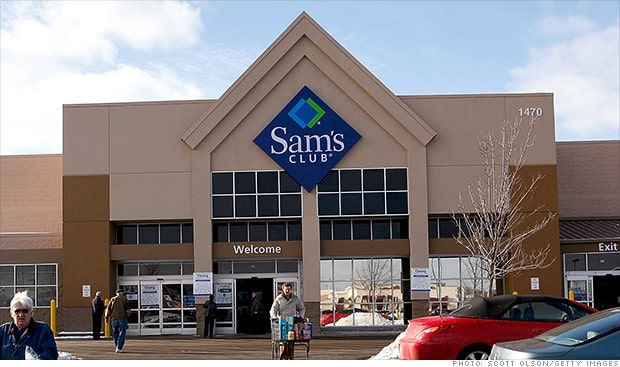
(391, 351)
(363, 319)
(65, 356)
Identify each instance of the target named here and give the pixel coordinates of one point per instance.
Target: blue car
(596, 336)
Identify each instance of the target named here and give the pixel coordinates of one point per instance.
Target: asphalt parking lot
(222, 348)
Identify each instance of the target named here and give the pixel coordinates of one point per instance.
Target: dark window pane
(287, 266)
(267, 182)
(244, 267)
(239, 232)
(127, 269)
(223, 207)
(361, 229)
(607, 261)
(24, 275)
(220, 232)
(188, 268)
(222, 183)
(351, 180)
(290, 205)
(170, 233)
(223, 267)
(374, 203)
(380, 229)
(288, 184)
(329, 182)
(148, 233)
(342, 230)
(294, 231)
(400, 229)
(447, 228)
(277, 231)
(329, 204)
(127, 234)
(45, 295)
(575, 262)
(397, 203)
(46, 275)
(245, 183)
(396, 179)
(268, 206)
(432, 228)
(351, 204)
(373, 180)
(258, 231)
(6, 276)
(464, 228)
(326, 230)
(188, 232)
(245, 206)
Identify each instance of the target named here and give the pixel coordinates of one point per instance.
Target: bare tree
(496, 229)
(372, 275)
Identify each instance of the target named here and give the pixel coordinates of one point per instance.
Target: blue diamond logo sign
(307, 138)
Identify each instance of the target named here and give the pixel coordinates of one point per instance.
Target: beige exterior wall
(460, 121)
(31, 195)
(590, 184)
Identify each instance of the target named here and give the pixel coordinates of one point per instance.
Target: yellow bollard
(515, 293)
(53, 316)
(571, 295)
(106, 326)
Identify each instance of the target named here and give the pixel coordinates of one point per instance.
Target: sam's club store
(306, 170)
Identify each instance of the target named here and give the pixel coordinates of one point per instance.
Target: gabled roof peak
(320, 46)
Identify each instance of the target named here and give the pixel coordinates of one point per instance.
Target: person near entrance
(210, 315)
(117, 312)
(98, 307)
(287, 304)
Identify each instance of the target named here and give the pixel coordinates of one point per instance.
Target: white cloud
(584, 75)
(55, 53)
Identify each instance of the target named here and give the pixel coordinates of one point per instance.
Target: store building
(307, 170)
(589, 220)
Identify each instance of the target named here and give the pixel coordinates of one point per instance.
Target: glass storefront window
(39, 280)
(362, 292)
(454, 280)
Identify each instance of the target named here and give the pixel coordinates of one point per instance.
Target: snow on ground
(390, 351)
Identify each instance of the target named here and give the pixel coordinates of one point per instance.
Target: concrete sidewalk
(223, 348)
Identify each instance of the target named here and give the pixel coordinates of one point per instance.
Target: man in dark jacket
(24, 335)
(97, 310)
(210, 315)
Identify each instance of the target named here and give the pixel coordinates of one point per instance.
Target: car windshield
(584, 329)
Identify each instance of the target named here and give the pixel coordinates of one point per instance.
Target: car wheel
(475, 353)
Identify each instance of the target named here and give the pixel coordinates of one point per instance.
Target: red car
(470, 331)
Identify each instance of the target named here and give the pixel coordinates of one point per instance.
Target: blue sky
(55, 53)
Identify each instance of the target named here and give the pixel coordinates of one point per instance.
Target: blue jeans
(119, 331)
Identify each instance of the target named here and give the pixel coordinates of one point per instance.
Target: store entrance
(606, 291)
(254, 297)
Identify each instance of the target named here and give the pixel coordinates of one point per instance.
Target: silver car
(596, 336)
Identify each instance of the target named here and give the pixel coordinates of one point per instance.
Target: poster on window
(223, 294)
(203, 284)
(149, 295)
(420, 279)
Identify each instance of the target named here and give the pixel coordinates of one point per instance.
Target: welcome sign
(307, 138)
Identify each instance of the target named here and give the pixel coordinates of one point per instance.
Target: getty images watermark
(526, 363)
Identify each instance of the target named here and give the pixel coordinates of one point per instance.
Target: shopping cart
(277, 341)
